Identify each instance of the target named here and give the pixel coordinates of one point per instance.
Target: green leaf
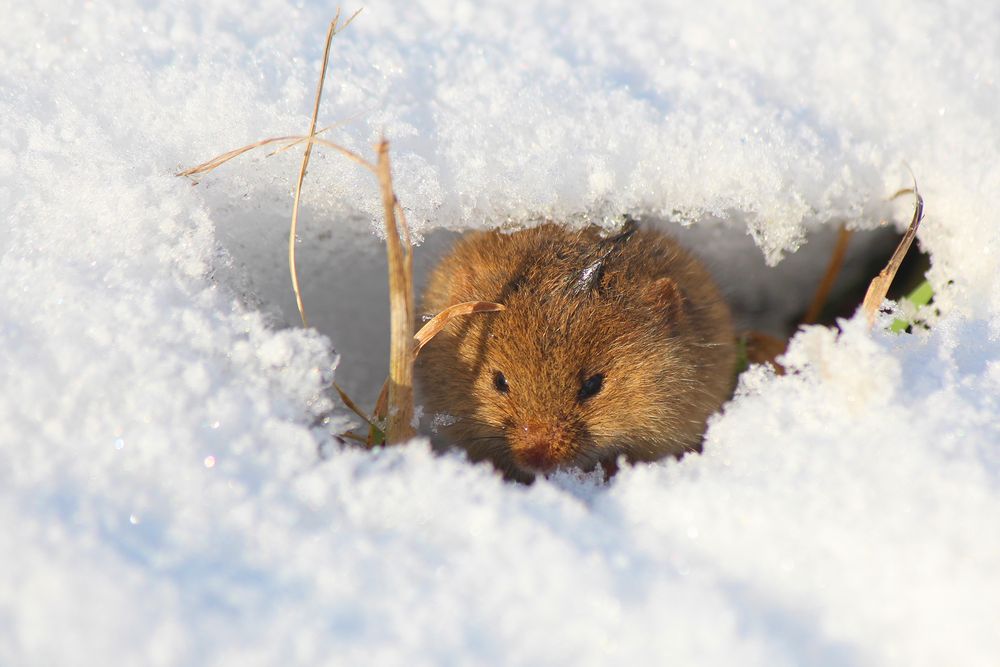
(921, 296)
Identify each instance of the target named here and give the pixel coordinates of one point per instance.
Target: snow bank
(170, 490)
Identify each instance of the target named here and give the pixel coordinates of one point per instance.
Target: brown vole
(607, 346)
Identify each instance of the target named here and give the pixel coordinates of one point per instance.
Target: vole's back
(607, 346)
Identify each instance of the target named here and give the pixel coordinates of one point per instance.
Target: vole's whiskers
(478, 422)
(484, 438)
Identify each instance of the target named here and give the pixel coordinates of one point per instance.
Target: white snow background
(162, 500)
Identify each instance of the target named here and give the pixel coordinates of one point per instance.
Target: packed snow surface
(170, 490)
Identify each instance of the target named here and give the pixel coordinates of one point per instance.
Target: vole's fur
(635, 309)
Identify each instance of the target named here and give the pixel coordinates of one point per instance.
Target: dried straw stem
(355, 438)
(299, 140)
(352, 406)
(830, 277)
(395, 402)
(295, 141)
(219, 160)
(293, 230)
(345, 152)
(401, 320)
(879, 286)
(440, 321)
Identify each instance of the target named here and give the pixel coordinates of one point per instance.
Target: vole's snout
(540, 446)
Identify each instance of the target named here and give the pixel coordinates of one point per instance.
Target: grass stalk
(394, 408)
(440, 321)
(830, 277)
(399, 408)
(879, 286)
(293, 228)
(220, 160)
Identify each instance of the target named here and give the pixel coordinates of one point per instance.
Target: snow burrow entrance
(342, 270)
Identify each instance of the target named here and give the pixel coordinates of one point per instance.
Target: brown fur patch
(654, 325)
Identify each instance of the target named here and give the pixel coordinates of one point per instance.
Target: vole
(607, 346)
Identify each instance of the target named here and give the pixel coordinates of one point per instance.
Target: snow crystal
(172, 489)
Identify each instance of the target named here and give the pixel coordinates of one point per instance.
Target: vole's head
(570, 381)
(581, 366)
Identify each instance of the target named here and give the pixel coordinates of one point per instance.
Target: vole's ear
(666, 297)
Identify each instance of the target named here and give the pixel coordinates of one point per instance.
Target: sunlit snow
(170, 490)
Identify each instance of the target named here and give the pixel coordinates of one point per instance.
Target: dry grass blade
(299, 140)
(395, 402)
(292, 140)
(762, 348)
(348, 21)
(830, 277)
(345, 152)
(295, 141)
(399, 412)
(293, 230)
(381, 403)
(879, 286)
(375, 435)
(407, 243)
(356, 438)
(351, 405)
(440, 321)
(219, 160)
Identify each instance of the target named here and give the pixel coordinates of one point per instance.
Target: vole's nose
(536, 445)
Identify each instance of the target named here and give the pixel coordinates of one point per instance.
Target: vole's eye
(500, 383)
(591, 386)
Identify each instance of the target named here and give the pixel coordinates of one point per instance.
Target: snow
(170, 490)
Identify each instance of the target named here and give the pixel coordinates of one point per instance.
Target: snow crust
(170, 491)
